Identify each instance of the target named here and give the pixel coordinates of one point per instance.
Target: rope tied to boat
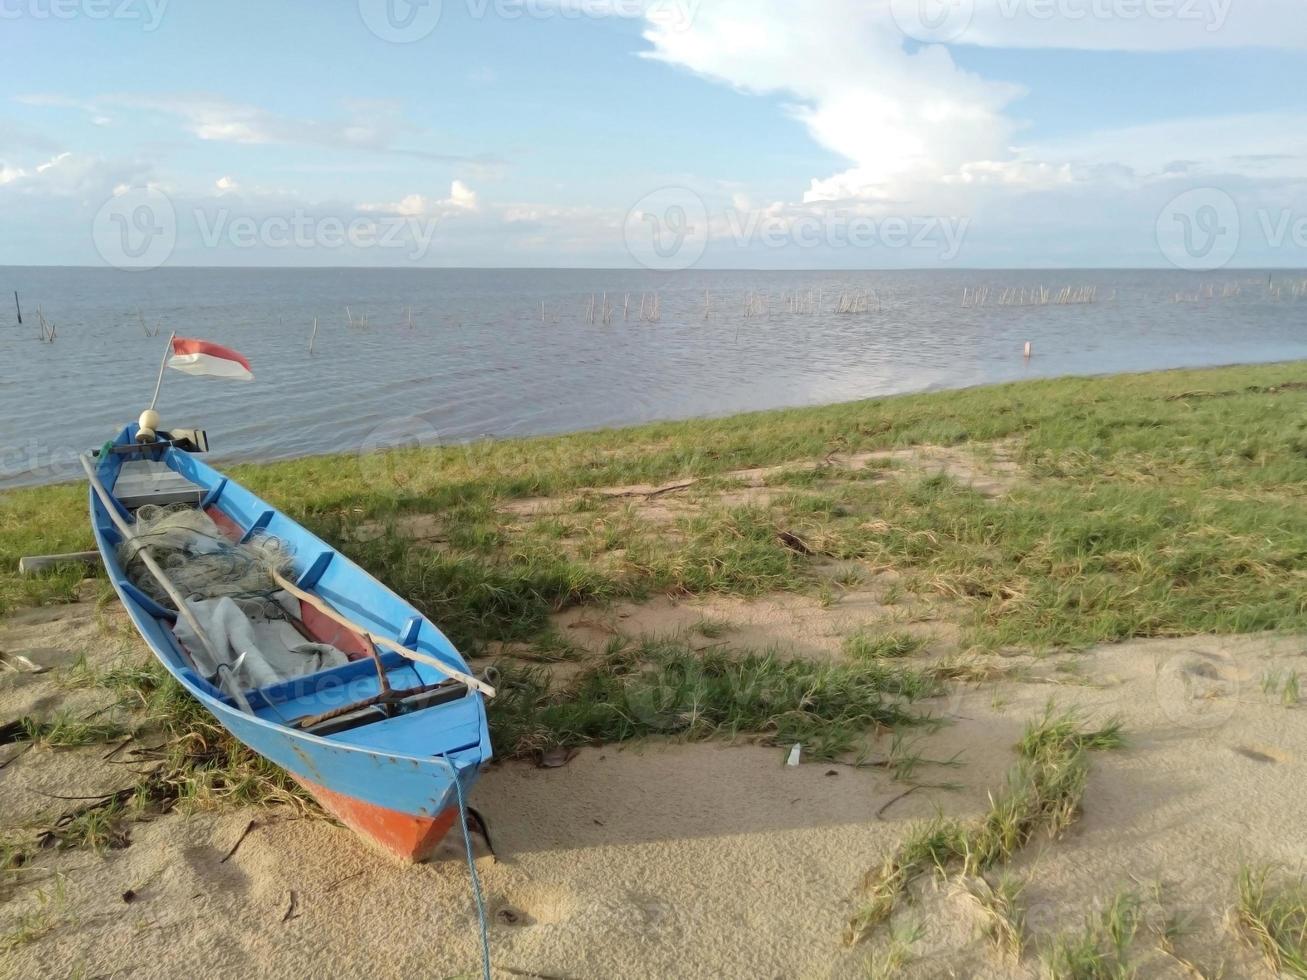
(472, 868)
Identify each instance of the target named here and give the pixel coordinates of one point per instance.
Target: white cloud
(65, 174)
(899, 116)
(368, 124)
(461, 199)
(922, 133)
(918, 134)
(1267, 144)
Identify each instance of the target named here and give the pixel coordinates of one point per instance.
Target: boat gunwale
(145, 622)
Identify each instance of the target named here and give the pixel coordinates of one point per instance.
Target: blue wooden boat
(379, 740)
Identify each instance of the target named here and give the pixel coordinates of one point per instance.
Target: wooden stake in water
(19, 308)
(314, 335)
(47, 329)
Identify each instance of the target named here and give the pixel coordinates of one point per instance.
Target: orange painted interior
(318, 626)
(225, 524)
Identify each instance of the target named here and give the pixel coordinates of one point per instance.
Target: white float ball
(149, 422)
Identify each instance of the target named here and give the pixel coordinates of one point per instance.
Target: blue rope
(472, 868)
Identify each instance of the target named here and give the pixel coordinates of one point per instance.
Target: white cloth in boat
(255, 639)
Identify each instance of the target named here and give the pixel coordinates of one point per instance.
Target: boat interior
(376, 698)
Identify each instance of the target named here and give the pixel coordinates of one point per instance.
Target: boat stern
(405, 836)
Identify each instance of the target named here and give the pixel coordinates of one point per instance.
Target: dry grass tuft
(1042, 795)
(1274, 920)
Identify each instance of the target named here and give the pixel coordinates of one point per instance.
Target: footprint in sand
(534, 904)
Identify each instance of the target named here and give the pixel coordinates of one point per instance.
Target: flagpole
(162, 367)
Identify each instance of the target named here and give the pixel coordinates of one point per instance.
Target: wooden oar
(382, 641)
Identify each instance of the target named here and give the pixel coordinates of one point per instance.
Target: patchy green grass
(663, 687)
(1003, 915)
(1042, 795)
(1153, 505)
(63, 731)
(870, 645)
(198, 764)
(712, 629)
(16, 850)
(42, 917)
(1273, 916)
(898, 953)
(1284, 686)
(203, 765)
(96, 828)
(1063, 734)
(1101, 951)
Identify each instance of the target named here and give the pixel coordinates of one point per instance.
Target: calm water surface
(481, 359)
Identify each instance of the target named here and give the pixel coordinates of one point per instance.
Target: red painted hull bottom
(407, 837)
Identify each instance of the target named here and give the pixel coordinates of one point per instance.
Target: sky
(665, 134)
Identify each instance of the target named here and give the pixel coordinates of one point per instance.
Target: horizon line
(604, 268)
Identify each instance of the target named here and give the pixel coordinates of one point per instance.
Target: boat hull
(391, 782)
(401, 835)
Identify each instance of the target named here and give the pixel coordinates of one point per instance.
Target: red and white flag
(206, 359)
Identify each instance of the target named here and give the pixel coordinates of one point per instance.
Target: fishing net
(199, 559)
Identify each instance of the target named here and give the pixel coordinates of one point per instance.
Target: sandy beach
(700, 857)
(690, 860)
